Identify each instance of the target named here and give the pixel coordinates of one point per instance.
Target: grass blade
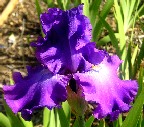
(14, 120)
(53, 121)
(62, 117)
(139, 58)
(4, 121)
(26, 123)
(134, 55)
(38, 8)
(67, 111)
(106, 39)
(89, 121)
(111, 35)
(98, 26)
(46, 117)
(86, 7)
(94, 10)
(60, 3)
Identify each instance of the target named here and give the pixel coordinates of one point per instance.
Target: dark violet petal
(79, 25)
(93, 55)
(26, 114)
(102, 86)
(50, 19)
(40, 88)
(66, 33)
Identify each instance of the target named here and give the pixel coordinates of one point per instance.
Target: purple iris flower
(67, 54)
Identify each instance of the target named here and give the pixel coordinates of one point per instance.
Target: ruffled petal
(67, 32)
(102, 87)
(40, 88)
(50, 19)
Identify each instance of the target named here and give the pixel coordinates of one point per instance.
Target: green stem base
(80, 120)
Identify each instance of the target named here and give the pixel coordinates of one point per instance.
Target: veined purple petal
(102, 86)
(67, 32)
(40, 88)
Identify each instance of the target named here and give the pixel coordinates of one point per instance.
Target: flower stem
(80, 120)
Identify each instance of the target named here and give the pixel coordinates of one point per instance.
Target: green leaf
(49, 119)
(77, 2)
(60, 3)
(142, 123)
(66, 4)
(139, 58)
(75, 124)
(14, 120)
(89, 121)
(134, 55)
(140, 80)
(129, 58)
(53, 121)
(122, 37)
(4, 121)
(86, 7)
(94, 10)
(106, 39)
(120, 29)
(62, 117)
(134, 114)
(130, 11)
(50, 3)
(102, 123)
(98, 26)
(141, 54)
(26, 123)
(38, 8)
(141, 10)
(39, 11)
(111, 35)
(118, 122)
(79, 122)
(67, 110)
(46, 117)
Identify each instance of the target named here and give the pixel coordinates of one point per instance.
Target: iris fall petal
(102, 86)
(40, 88)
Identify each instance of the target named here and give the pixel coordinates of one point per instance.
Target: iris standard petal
(66, 33)
(40, 88)
(102, 86)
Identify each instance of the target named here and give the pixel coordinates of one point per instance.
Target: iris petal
(66, 33)
(102, 86)
(40, 88)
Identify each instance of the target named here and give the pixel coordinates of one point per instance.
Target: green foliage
(38, 8)
(97, 27)
(26, 123)
(46, 117)
(4, 121)
(14, 120)
(57, 117)
(89, 121)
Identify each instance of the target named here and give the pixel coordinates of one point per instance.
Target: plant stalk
(80, 120)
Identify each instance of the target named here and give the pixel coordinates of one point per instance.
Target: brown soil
(21, 27)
